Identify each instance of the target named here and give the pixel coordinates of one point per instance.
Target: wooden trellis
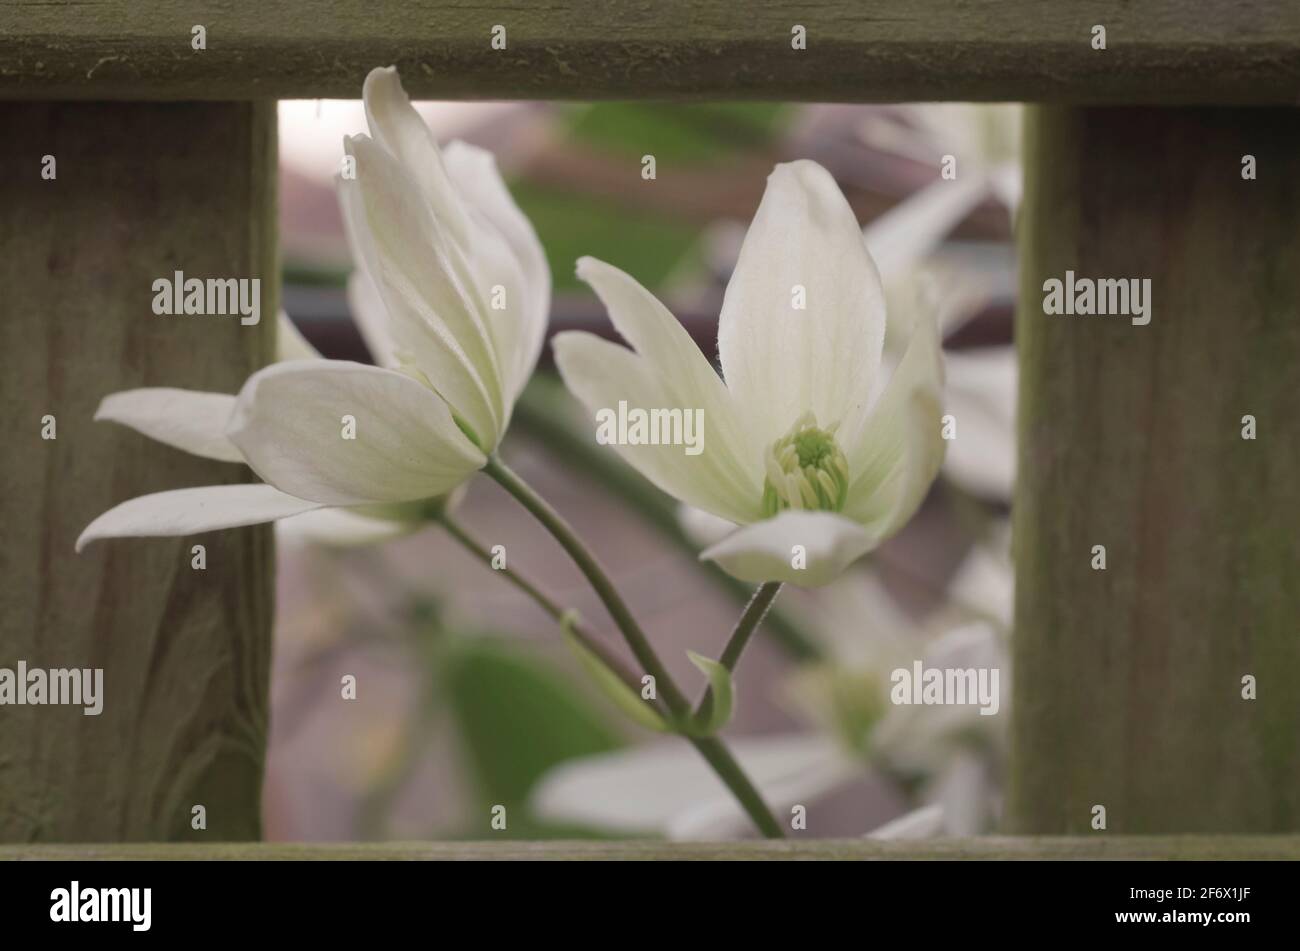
(1127, 681)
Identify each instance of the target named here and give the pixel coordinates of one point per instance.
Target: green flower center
(806, 469)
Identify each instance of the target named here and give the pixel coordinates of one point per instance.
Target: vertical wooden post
(142, 190)
(1129, 680)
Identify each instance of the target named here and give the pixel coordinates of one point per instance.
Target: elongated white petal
(897, 451)
(780, 361)
(437, 309)
(463, 277)
(687, 377)
(668, 789)
(289, 423)
(371, 318)
(290, 344)
(521, 327)
(967, 789)
(923, 823)
(701, 527)
(902, 237)
(190, 511)
(787, 770)
(187, 419)
(396, 126)
(823, 543)
(1006, 181)
(341, 528)
(602, 375)
(985, 582)
(981, 396)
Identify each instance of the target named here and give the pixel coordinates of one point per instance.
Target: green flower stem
(555, 523)
(719, 757)
(748, 622)
(547, 604)
(711, 748)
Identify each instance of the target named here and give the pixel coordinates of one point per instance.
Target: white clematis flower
(796, 452)
(195, 422)
(465, 287)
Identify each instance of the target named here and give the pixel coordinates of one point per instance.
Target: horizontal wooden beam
(1098, 846)
(1157, 51)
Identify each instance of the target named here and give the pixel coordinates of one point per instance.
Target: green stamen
(806, 469)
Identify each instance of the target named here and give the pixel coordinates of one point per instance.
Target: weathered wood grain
(1096, 846)
(1158, 51)
(1128, 681)
(141, 190)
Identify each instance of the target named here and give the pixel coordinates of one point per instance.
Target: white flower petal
(765, 551)
(903, 236)
(601, 374)
(967, 790)
(687, 378)
(899, 447)
(396, 126)
(985, 582)
(487, 242)
(371, 318)
(187, 419)
(341, 528)
(923, 823)
(436, 308)
(780, 362)
(981, 394)
(190, 511)
(969, 645)
(701, 527)
(290, 344)
(288, 423)
(921, 739)
(667, 788)
(1006, 180)
(521, 330)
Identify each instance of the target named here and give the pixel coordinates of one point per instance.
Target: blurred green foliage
(571, 224)
(652, 245)
(517, 717)
(705, 133)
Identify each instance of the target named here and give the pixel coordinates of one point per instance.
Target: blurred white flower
(984, 138)
(797, 451)
(923, 823)
(981, 383)
(666, 789)
(465, 291)
(952, 752)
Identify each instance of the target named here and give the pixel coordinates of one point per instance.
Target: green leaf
(623, 696)
(717, 709)
(518, 718)
(683, 134)
(572, 223)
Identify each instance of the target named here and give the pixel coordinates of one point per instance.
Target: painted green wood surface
(1157, 50)
(1098, 846)
(141, 190)
(1128, 681)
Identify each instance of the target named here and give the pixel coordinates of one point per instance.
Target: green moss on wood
(1157, 51)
